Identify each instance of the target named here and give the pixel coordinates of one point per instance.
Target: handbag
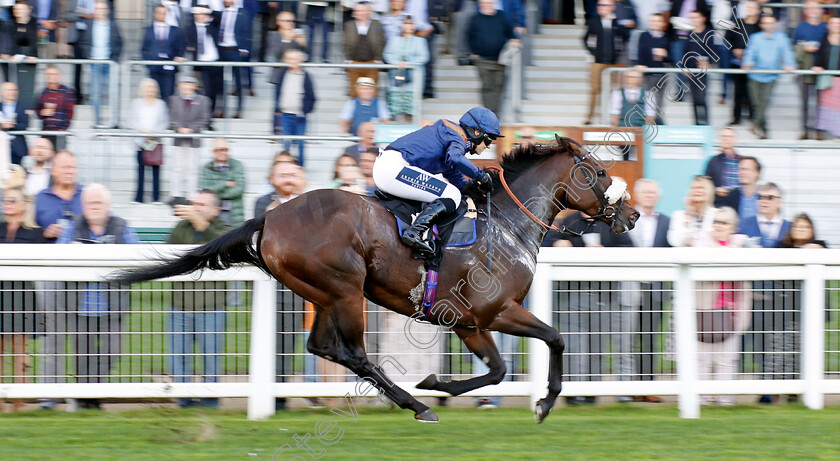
(154, 156)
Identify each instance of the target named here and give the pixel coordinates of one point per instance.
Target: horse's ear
(558, 139)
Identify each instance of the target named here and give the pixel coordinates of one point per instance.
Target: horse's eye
(602, 173)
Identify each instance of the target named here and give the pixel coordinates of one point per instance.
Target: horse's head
(591, 190)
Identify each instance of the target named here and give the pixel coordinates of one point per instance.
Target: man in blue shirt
(806, 41)
(56, 205)
(414, 167)
(767, 50)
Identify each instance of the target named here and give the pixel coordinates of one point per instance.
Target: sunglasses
(768, 197)
(721, 222)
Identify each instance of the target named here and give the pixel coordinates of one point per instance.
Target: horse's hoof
(427, 416)
(540, 412)
(428, 383)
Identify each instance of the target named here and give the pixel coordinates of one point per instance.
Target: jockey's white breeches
(393, 174)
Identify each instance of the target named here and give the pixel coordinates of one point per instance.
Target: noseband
(611, 201)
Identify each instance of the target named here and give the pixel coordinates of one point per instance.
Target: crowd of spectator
(697, 35)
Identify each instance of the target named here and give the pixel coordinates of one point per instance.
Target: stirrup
(415, 241)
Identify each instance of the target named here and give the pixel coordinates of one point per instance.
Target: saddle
(455, 230)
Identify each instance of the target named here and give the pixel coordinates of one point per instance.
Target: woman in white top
(688, 225)
(148, 115)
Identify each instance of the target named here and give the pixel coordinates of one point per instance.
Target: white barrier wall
(788, 344)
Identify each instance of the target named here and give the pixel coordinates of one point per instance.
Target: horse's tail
(234, 248)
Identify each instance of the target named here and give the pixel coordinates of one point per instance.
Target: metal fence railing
(636, 323)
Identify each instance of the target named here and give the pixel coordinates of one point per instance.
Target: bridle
(608, 208)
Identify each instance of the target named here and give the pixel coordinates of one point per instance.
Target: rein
(606, 210)
(516, 200)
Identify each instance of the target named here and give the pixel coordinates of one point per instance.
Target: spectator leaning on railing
(767, 50)
(286, 38)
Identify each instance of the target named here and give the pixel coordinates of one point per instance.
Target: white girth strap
(616, 191)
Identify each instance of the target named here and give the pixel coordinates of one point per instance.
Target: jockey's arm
(455, 155)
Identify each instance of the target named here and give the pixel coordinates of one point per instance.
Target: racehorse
(335, 248)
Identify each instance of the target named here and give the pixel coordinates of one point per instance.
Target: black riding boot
(413, 236)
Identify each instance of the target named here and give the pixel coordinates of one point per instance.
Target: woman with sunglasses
(17, 299)
(429, 165)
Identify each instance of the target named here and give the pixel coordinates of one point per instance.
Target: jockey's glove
(484, 182)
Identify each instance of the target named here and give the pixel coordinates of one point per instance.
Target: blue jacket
(308, 91)
(749, 227)
(49, 208)
(438, 149)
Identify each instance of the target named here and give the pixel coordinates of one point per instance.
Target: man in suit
(651, 231)
(364, 41)
(235, 46)
(202, 39)
(606, 39)
(163, 42)
(768, 224)
(13, 117)
(100, 41)
(769, 297)
(189, 112)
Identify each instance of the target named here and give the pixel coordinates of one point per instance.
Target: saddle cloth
(457, 229)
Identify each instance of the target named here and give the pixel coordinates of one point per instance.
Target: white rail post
(813, 336)
(685, 330)
(540, 304)
(261, 368)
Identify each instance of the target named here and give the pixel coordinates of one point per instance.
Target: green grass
(606, 432)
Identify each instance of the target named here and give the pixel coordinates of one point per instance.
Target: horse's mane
(516, 163)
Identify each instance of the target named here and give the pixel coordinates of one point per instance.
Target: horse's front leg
(517, 321)
(482, 345)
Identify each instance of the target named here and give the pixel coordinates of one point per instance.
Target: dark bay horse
(335, 248)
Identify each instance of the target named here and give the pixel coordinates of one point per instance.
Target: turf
(595, 433)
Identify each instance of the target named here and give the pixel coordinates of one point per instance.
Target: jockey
(415, 166)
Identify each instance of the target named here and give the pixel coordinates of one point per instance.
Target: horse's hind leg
(482, 345)
(519, 322)
(338, 335)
